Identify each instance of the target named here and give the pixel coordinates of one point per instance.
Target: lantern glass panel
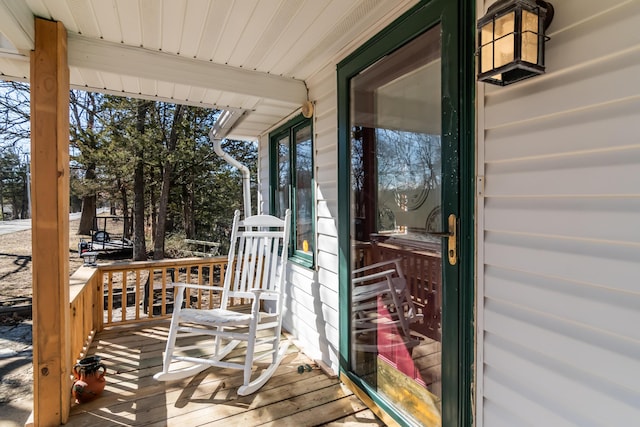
(486, 41)
(529, 37)
(504, 39)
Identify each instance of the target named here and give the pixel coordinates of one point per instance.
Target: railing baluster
(199, 283)
(121, 276)
(123, 299)
(163, 292)
(110, 298)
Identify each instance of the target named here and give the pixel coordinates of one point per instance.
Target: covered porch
(133, 353)
(78, 320)
(120, 312)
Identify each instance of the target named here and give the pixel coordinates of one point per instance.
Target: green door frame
(458, 109)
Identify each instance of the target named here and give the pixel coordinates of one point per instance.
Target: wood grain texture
(132, 397)
(50, 210)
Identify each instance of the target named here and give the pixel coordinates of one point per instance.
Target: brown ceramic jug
(90, 381)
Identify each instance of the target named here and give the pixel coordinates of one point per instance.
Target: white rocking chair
(383, 285)
(255, 271)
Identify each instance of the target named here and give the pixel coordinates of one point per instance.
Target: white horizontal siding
(606, 172)
(582, 218)
(560, 244)
(312, 299)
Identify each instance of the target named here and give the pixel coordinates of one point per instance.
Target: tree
(15, 116)
(128, 139)
(87, 136)
(157, 155)
(14, 146)
(169, 144)
(13, 183)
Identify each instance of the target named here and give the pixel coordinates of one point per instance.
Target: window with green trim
(291, 184)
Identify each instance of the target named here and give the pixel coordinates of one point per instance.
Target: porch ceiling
(248, 55)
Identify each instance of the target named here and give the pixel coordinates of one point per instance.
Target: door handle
(452, 250)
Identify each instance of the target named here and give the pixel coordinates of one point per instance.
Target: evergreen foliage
(110, 137)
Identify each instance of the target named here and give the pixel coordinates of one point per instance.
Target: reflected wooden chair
(382, 303)
(256, 272)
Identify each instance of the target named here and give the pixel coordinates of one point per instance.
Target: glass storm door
(400, 232)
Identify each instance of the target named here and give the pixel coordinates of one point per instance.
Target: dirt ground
(16, 351)
(15, 262)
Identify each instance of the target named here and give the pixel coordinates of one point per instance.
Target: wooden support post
(50, 223)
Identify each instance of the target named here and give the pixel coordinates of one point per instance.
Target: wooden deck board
(132, 397)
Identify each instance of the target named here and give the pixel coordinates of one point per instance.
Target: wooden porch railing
(134, 292)
(422, 266)
(423, 270)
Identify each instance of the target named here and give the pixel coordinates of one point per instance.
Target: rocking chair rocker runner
(255, 271)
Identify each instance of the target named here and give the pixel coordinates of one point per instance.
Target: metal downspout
(218, 132)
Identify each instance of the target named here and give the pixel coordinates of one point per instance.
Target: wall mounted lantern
(511, 38)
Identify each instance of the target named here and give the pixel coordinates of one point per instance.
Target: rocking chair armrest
(260, 293)
(373, 276)
(376, 265)
(193, 286)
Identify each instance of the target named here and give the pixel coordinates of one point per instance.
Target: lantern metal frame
(518, 69)
(89, 258)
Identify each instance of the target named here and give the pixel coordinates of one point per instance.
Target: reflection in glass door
(396, 198)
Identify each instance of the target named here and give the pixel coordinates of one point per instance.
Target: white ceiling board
(302, 20)
(352, 22)
(258, 24)
(129, 15)
(131, 85)
(250, 102)
(151, 24)
(213, 29)
(85, 18)
(149, 86)
(195, 94)
(181, 91)
(235, 28)
(269, 40)
(165, 90)
(363, 17)
(112, 81)
(109, 22)
(14, 70)
(90, 78)
(37, 7)
(173, 13)
(59, 11)
(211, 97)
(17, 25)
(195, 21)
(235, 101)
(75, 75)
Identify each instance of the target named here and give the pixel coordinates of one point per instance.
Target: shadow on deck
(132, 397)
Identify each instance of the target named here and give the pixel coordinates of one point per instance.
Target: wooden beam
(50, 223)
(117, 58)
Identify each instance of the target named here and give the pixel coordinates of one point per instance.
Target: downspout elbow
(246, 175)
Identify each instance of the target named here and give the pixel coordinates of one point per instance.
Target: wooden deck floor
(133, 398)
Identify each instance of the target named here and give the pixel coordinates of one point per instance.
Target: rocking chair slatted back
(257, 258)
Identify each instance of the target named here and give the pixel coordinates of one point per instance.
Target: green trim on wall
(458, 80)
(288, 129)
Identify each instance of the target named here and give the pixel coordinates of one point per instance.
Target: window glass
(396, 197)
(284, 172)
(304, 195)
(292, 184)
